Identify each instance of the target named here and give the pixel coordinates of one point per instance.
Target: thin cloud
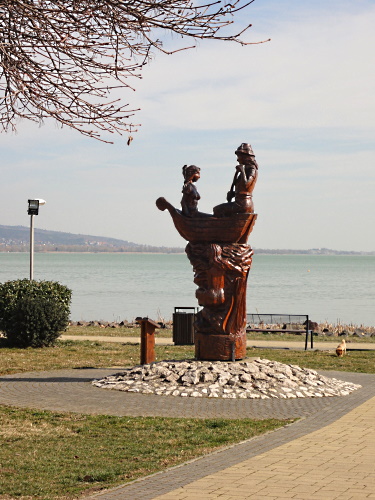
(314, 73)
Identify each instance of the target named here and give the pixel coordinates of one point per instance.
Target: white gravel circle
(255, 379)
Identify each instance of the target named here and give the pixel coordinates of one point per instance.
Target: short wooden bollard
(148, 327)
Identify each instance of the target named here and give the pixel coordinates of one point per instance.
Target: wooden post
(148, 327)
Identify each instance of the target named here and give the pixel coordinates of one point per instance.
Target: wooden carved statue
(243, 185)
(190, 195)
(221, 258)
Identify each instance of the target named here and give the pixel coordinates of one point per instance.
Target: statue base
(211, 347)
(221, 272)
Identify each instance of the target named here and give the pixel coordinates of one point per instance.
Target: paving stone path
(328, 454)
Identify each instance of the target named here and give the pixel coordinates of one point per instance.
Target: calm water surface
(123, 286)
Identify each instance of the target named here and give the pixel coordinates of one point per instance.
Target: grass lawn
(122, 331)
(81, 354)
(47, 455)
(290, 337)
(85, 353)
(167, 333)
(354, 361)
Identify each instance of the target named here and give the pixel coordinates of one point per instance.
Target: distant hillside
(16, 239)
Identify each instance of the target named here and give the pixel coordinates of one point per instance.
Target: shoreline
(182, 252)
(96, 253)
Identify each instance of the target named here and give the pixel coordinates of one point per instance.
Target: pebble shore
(251, 379)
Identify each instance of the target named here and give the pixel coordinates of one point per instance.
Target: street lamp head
(33, 208)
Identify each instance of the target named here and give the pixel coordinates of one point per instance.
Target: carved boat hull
(209, 229)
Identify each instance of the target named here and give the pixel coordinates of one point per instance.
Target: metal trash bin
(183, 325)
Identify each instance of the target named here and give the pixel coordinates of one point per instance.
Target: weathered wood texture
(221, 273)
(220, 257)
(148, 327)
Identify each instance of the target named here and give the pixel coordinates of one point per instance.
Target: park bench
(280, 323)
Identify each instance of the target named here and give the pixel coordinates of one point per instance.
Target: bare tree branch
(62, 59)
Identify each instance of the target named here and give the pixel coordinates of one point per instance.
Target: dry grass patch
(80, 354)
(354, 361)
(167, 333)
(121, 331)
(291, 337)
(92, 354)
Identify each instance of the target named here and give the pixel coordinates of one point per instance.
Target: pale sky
(304, 101)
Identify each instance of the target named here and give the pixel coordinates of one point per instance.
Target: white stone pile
(256, 379)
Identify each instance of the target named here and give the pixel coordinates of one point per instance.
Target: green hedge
(33, 313)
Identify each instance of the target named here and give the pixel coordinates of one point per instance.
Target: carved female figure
(190, 195)
(243, 185)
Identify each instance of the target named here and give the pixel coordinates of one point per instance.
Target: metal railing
(282, 323)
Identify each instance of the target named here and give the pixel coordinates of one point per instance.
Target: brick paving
(328, 454)
(335, 462)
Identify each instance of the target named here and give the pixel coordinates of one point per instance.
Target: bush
(33, 313)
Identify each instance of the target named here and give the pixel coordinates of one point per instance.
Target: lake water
(120, 286)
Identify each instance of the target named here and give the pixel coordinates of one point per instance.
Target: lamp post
(33, 209)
